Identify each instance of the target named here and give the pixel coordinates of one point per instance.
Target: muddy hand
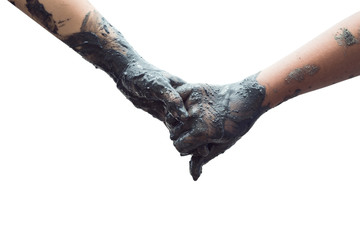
(146, 86)
(153, 90)
(218, 117)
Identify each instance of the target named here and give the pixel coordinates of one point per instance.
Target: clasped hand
(203, 120)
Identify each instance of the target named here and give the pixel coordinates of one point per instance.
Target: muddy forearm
(332, 57)
(81, 27)
(102, 45)
(61, 18)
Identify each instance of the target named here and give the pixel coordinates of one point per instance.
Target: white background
(78, 161)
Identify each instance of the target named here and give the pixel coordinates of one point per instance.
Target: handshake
(203, 120)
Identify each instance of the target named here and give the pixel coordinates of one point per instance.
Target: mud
(42, 16)
(299, 74)
(345, 38)
(146, 86)
(220, 115)
(62, 23)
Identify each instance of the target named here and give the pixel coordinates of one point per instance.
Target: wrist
(246, 99)
(102, 45)
(250, 94)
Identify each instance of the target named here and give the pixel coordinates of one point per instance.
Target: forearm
(332, 57)
(81, 27)
(60, 18)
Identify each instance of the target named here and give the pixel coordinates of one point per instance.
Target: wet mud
(220, 116)
(42, 16)
(345, 38)
(109, 53)
(146, 86)
(102, 45)
(299, 74)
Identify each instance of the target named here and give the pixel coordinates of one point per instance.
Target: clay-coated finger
(195, 166)
(188, 142)
(190, 123)
(175, 105)
(185, 91)
(176, 131)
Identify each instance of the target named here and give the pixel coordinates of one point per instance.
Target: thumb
(195, 165)
(197, 161)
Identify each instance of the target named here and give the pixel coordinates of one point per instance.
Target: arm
(332, 57)
(80, 26)
(221, 115)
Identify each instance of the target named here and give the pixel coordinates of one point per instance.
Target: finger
(189, 142)
(197, 162)
(174, 126)
(184, 91)
(179, 129)
(174, 80)
(175, 105)
(159, 89)
(195, 166)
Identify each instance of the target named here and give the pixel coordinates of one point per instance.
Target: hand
(147, 87)
(153, 91)
(218, 117)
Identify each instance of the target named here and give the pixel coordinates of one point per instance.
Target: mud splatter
(299, 74)
(42, 16)
(84, 23)
(345, 38)
(62, 23)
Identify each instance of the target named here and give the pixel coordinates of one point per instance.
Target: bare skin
(221, 115)
(80, 26)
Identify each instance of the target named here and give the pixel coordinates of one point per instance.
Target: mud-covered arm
(80, 26)
(221, 115)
